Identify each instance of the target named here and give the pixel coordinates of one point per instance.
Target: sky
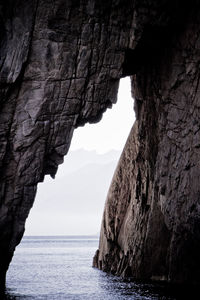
(112, 131)
(73, 203)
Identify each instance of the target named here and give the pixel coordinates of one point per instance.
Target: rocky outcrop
(150, 228)
(60, 65)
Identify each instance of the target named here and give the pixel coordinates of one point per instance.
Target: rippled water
(60, 268)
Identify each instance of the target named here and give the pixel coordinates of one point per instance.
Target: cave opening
(72, 204)
(62, 231)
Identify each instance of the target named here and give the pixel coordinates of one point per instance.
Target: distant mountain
(79, 158)
(77, 195)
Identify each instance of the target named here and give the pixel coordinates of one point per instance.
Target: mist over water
(73, 203)
(61, 268)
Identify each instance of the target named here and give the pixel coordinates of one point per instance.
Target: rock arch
(60, 65)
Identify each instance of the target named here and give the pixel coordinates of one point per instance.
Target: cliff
(150, 227)
(60, 65)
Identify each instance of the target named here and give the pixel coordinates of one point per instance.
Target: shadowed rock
(60, 65)
(150, 228)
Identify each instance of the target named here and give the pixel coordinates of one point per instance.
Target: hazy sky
(60, 211)
(112, 131)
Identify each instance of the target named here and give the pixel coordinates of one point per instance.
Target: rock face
(60, 65)
(151, 222)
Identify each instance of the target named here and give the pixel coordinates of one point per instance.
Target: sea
(60, 267)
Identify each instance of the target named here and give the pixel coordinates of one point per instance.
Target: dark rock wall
(151, 223)
(60, 65)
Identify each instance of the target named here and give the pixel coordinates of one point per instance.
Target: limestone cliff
(60, 65)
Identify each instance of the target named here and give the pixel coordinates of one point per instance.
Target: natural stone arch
(60, 64)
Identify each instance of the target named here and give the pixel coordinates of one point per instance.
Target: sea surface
(60, 267)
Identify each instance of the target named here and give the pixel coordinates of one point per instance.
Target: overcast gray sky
(112, 131)
(72, 204)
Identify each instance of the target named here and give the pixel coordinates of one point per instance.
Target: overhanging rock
(60, 65)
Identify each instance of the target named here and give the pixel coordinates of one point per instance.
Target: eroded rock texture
(60, 65)
(151, 223)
